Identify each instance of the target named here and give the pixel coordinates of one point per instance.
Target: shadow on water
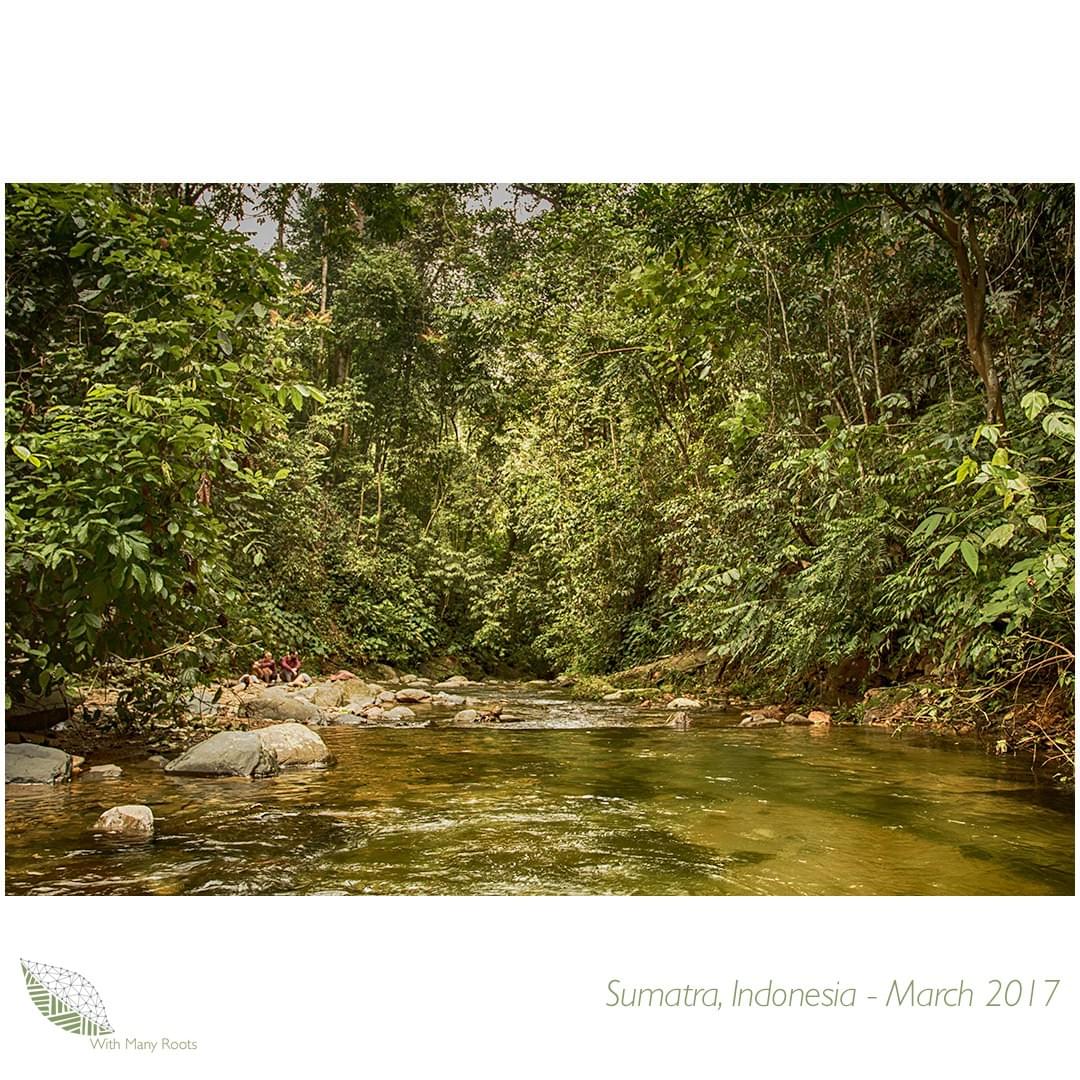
(572, 799)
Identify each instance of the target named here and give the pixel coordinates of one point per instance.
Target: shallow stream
(573, 798)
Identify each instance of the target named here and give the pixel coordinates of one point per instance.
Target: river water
(573, 798)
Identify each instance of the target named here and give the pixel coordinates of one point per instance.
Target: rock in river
(449, 701)
(28, 763)
(295, 745)
(276, 703)
(412, 695)
(453, 683)
(106, 772)
(759, 721)
(132, 821)
(797, 720)
(467, 716)
(684, 703)
(401, 712)
(228, 753)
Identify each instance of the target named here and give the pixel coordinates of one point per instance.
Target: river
(574, 798)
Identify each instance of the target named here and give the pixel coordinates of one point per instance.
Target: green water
(573, 799)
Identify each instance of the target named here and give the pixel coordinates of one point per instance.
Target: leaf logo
(66, 999)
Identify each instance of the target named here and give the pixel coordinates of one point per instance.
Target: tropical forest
(540, 537)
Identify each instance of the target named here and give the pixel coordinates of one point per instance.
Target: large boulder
(467, 716)
(132, 821)
(295, 745)
(276, 703)
(228, 753)
(325, 695)
(28, 763)
(401, 712)
(684, 703)
(412, 695)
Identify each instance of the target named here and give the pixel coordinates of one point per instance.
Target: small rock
(797, 720)
(156, 759)
(401, 712)
(132, 821)
(387, 695)
(447, 700)
(77, 761)
(28, 763)
(374, 712)
(107, 772)
(466, 716)
(350, 719)
(759, 721)
(684, 703)
(819, 716)
(452, 683)
(413, 694)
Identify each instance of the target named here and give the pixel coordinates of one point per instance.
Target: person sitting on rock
(265, 669)
(289, 666)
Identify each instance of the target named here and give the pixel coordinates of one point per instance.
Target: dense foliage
(825, 433)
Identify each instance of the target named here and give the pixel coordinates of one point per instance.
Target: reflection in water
(575, 799)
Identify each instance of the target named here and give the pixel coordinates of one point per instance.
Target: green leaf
(80, 248)
(1033, 403)
(948, 553)
(1037, 521)
(1000, 536)
(927, 525)
(970, 554)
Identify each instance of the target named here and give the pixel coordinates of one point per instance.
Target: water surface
(572, 799)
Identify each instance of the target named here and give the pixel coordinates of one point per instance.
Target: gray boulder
(202, 703)
(228, 753)
(349, 719)
(684, 703)
(295, 745)
(28, 763)
(133, 821)
(387, 696)
(325, 695)
(401, 712)
(467, 716)
(411, 695)
(276, 703)
(797, 720)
